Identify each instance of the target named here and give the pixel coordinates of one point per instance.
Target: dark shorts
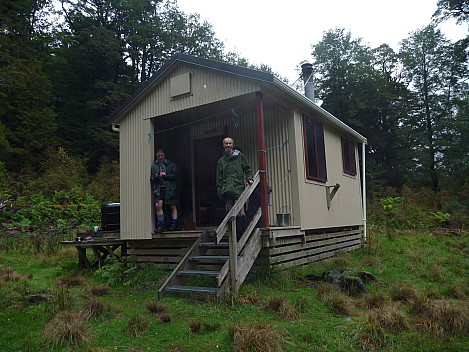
(167, 196)
(227, 196)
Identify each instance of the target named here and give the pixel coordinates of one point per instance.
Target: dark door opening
(210, 210)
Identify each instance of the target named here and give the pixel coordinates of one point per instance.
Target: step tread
(198, 272)
(209, 257)
(214, 245)
(197, 289)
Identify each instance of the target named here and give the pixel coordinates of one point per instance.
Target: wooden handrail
(243, 198)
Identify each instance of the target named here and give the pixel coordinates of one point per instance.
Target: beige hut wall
(136, 156)
(136, 145)
(346, 206)
(207, 86)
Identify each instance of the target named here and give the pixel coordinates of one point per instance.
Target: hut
(309, 177)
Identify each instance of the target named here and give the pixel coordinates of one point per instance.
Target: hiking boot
(159, 226)
(174, 225)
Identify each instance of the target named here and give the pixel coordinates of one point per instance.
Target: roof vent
(307, 73)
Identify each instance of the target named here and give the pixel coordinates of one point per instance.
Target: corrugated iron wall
(206, 87)
(136, 156)
(278, 163)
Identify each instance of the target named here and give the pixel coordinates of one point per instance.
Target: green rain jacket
(169, 182)
(232, 173)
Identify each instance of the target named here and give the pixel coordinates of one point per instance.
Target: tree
(458, 9)
(106, 49)
(361, 87)
(434, 69)
(27, 120)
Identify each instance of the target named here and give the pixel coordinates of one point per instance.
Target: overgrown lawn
(418, 303)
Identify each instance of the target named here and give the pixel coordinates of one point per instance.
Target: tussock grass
(62, 299)
(155, 307)
(334, 299)
(93, 308)
(71, 281)
(281, 306)
(9, 275)
(136, 325)
(371, 337)
(67, 328)
(262, 337)
(442, 317)
(372, 301)
(389, 317)
(165, 318)
(195, 326)
(100, 290)
(198, 326)
(405, 293)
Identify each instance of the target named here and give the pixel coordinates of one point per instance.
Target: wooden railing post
(233, 258)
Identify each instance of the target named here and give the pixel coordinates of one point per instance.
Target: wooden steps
(193, 289)
(200, 269)
(200, 258)
(198, 272)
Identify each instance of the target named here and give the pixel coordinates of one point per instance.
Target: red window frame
(348, 157)
(315, 153)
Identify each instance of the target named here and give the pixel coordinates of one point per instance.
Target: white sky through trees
(280, 33)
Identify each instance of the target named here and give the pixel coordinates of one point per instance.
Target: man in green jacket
(233, 173)
(163, 178)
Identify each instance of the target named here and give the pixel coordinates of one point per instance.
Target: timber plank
(313, 251)
(312, 259)
(273, 242)
(195, 289)
(308, 245)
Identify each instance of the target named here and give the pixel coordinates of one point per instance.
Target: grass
(420, 302)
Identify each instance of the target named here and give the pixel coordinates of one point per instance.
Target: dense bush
(58, 199)
(417, 210)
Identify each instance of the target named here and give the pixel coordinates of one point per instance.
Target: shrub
(105, 185)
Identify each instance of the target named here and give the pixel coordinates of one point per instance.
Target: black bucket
(110, 216)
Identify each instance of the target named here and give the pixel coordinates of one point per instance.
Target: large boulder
(349, 281)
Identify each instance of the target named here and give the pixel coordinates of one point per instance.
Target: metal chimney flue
(307, 73)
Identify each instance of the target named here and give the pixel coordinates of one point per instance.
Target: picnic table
(102, 248)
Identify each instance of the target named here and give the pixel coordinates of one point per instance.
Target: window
(315, 154)
(348, 157)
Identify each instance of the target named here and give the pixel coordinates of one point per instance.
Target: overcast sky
(280, 33)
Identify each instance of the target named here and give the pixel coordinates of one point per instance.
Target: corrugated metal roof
(238, 71)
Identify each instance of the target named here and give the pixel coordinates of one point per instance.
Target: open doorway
(210, 209)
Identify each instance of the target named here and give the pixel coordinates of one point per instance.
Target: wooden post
(262, 159)
(233, 257)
